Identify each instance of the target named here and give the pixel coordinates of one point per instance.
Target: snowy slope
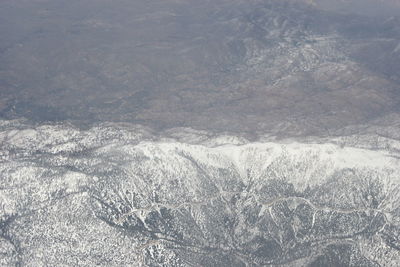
(117, 195)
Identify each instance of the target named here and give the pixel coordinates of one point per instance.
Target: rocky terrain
(200, 133)
(287, 67)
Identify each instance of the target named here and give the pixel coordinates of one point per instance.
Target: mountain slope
(117, 194)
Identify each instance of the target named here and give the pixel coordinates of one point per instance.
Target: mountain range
(200, 133)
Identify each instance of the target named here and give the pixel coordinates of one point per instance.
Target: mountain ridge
(169, 203)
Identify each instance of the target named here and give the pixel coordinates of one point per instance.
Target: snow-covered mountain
(120, 195)
(200, 133)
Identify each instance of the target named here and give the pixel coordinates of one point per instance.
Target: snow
(72, 181)
(143, 173)
(303, 163)
(346, 157)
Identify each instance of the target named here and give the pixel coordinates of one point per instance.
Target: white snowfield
(258, 156)
(60, 182)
